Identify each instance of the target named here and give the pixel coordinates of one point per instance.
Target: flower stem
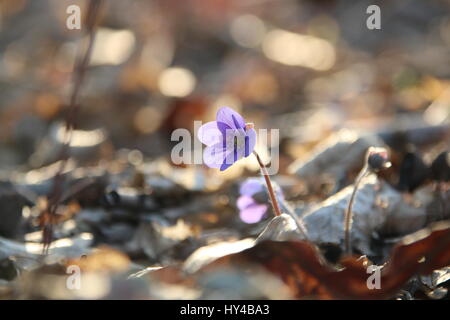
(348, 212)
(273, 199)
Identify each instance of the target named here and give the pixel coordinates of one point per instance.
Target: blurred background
(311, 69)
(305, 67)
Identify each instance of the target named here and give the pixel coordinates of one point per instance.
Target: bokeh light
(294, 49)
(247, 30)
(176, 82)
(112, 46)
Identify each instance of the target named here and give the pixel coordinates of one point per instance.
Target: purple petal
(250, 187)
(231, 118)
(250, 141)
(225, 165)
(214, 156)
(234, 143)
(209, 133)
(223, 127)
(243, 202)
(253, 213)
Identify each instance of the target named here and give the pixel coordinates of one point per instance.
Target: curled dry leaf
(414, 131)
(377, 207)
(158, 237)
(336, 156)
(302, 268)
(430, 284)
(281, 228)
(210, 253)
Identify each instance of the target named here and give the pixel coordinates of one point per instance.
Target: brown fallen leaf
(300, 265)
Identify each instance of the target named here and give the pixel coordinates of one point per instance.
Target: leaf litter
(111, 202)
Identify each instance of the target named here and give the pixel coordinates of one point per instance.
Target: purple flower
(251, 204)
(228, 139)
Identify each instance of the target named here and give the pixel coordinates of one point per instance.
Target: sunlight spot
(293, 49)
(247, 30)
(112, 46)
(176, 82)
(82, 138)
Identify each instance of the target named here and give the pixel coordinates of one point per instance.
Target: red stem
(273, 199)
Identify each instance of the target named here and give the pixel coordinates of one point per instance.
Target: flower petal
(232, 155)
(234, 143)
(250, 141)
(231, 118)
(209, 133)
(223, 127)
(214, 156)
(250, 187)
(225, 165)
(253, 213)
(244, 201)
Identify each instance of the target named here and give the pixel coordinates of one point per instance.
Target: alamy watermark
(73, 21)
(73, 281)
(374, 20)
(374, 280)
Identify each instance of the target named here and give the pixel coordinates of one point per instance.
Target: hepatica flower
(253, 200)
(228, 139)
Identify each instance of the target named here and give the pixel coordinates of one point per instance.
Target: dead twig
(48, 215)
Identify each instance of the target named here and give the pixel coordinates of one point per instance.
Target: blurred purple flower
(251, 208)
(228, 139)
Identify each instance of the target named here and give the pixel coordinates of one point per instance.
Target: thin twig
(348, 212)
(55, 195)
(273, 199)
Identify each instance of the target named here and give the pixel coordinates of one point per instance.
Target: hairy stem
(348, 213)
(273, 198)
